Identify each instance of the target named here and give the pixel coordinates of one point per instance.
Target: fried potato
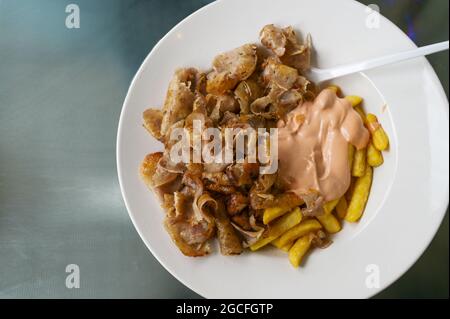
(359, 163)
(328, 207)
(336, 89)
(279, 227)
(281, 204)
(284, 248)
(341, 208)
(379, 136)
(374, 156)
(361, 113)
(277, 242)
(360, 196)
(330, 223)
(299, 249)
(351, 155)
(273, 213)
(300, 230)
(354, 100)
(349, 193)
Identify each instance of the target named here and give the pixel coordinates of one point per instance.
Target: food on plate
(296, 232)
(279, 227)
(359, 162)
(354, 99)
(341, 208)
(310, 170)
(360, 196)
(330, 223)
(374, 156)
(299, 249)
(379, 136)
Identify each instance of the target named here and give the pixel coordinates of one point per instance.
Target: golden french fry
(360, 196)
(379, 136)
(298, 250)
(287, 247)
(330, 223)
(300, 230)
(280, 226)
(284, 248)
(328, 207)
(283, 204)
(349, 193)
(361, 113)
(273, 213)
(341, 208)
(261, 243)
(351, 155)
(374, 156)
(354, 99)
(359, 163)
(277, 242)
(336, 89)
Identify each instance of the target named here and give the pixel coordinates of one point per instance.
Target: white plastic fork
(320, 75)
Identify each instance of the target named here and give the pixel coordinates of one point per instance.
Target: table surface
(61, 92)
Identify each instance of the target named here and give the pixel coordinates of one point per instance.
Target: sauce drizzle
(313, 146)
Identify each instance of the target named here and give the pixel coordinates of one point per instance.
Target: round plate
(410, 191)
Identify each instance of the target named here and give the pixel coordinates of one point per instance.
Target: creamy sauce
(313, 146)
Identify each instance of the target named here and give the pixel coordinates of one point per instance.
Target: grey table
(61, 91)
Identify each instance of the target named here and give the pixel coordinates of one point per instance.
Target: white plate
(410, 192)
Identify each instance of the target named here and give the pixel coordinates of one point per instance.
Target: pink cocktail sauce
(313, 145)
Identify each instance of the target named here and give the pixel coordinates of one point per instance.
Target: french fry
(277, 242)
(361, 113)
(379, 136)
(351, 155)
(360, 196)
(328, 207)
(354, 100)
(374, 156)
(341, 208)
(299, 249)
(330, 223)
(272, 213)
(359, 163)
(284, 248)
(349, 193)
(300, 230)
(280, 226)
(358, 166)
(336, 89)
(283, 203)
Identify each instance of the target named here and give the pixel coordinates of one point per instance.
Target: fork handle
(327, 74)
